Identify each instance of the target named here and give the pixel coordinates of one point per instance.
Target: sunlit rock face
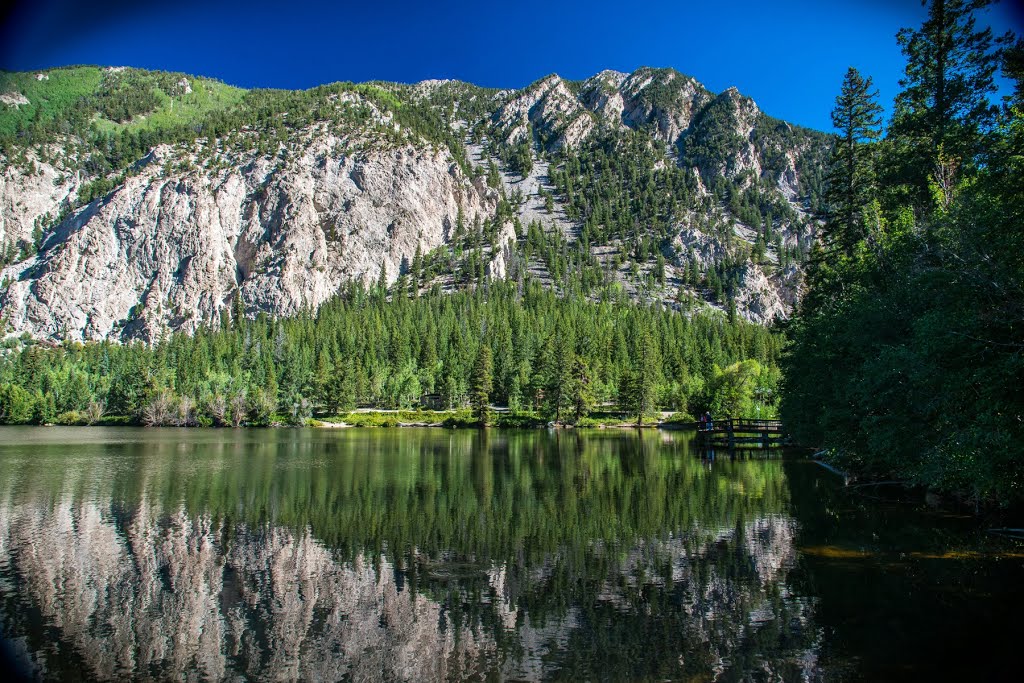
(548, 105)
(661, 101)
(172, 246)
(33, 199)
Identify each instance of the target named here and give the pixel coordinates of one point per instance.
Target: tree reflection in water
(396, 554)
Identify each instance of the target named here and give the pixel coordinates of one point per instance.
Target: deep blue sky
(788, 56)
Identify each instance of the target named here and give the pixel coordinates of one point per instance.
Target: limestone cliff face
(32, 196)
(170, 249)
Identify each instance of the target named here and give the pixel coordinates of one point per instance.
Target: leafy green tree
(16, 405)
(405, 386)
(261, 407)
(732, 390)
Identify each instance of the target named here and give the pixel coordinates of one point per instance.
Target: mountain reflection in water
(406, 554)
(399, 555)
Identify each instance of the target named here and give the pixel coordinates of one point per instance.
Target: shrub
(71, 417)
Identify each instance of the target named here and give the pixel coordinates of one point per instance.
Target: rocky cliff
(171, 249)
(112, 227)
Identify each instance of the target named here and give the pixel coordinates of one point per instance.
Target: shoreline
(333, 423)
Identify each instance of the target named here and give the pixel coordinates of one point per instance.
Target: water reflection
(402, 555)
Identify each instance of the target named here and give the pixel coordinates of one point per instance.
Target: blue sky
(788, 56)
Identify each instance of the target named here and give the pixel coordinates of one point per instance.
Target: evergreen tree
(483, 379)
(341, 395)
(237, 308)
(943, 110)
(558, 373)
(851, 179)
(416, 269)
(493, 177)
(636, 392)
(361, 349)
(581, 389)
(905, 362)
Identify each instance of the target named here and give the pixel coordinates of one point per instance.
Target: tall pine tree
(636, 392)
(851, 179)
(944, 109)
(483, 379)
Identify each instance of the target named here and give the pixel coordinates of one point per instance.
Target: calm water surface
(422, 554)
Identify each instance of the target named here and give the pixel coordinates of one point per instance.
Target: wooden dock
(733, 433)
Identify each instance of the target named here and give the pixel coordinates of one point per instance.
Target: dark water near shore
(425, 554)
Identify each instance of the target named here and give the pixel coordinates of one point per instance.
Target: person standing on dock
(708, 421)
(703, 422)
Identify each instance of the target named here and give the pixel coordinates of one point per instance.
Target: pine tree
(341, 389)
(460, 225)
(382, 280)
(636, 389)
(483, 380)
(558, 377)
(416, 271)
(237, 309)
(493, 178)
(944, 109)
(851, 178)
(581, 389)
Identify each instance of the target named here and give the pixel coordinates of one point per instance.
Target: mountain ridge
(116, 201)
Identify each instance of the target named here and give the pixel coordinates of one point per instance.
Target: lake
(429, 554)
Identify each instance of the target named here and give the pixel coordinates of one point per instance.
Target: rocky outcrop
(172, 249)
(702, 248)
(13, 99)
(550, 107)
(662, 102)
(667, 119)
(600, 94)
(758, 298)
(504, 255)
(32, 194)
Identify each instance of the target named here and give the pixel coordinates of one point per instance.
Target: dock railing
(731, 432)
